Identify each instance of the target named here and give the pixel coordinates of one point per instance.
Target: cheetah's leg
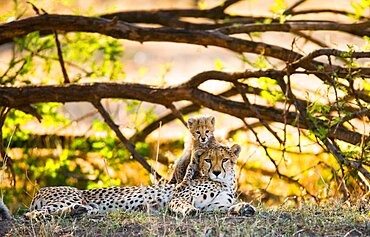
(35, 214)
(243, 209)
(182, 206)
(60, 209)
(190, 171)
(192, 167)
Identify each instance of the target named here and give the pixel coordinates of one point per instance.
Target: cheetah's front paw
(243, 209)
(191, 212)
(78, 210)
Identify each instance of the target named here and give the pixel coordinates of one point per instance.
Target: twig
(318, 11)
(61, 60)
(249, 105)
(277, 171)
(123, 139)
(290, 9)
(59, 50)
(222, 7)
(329, 144)
(7, 160)
(177, 114)
(308, 37)
(71, 64)
(333, 82)
(157, 150)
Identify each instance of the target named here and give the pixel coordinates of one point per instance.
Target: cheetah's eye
(224, 160)
(207, 131)
(208, 161)
(197, 132)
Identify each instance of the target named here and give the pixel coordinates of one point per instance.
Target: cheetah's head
(202, 128)
(218, 163)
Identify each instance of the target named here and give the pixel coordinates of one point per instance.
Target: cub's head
(202, 128)
(218, 163)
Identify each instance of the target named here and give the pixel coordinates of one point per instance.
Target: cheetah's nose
(203, 139)
(216, 172)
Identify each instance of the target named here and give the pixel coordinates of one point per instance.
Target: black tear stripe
(222, 165)
(209, 170)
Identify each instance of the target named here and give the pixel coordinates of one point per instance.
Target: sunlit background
(72, 146)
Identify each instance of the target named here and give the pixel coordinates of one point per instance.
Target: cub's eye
(207, 131)
(197, 132)
(224, 160)
(208, 160)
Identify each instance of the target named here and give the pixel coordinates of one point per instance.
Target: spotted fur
(187, 165)
(214, 191)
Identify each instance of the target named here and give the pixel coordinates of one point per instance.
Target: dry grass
(329, 220)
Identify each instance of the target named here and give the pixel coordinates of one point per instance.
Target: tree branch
(90, 92)
(123, 30)
(123, 139)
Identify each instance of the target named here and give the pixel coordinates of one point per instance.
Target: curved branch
(329, 52)
(91, 92)
(123, 30)
(198, 79)
(324, 10)
(356, 28)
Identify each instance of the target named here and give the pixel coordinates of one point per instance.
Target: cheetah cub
(187, 165)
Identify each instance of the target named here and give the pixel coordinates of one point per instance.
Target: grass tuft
(333, 219)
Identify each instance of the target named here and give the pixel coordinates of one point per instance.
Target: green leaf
(98, 145)
(360, 8)
(202, 5)
(219, 65)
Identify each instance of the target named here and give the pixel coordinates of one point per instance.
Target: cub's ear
(236, 149)
(212, 120)
(198, 153)
(191, 122)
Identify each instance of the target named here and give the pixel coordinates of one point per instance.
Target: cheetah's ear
(212, 120)
(236, 149)
(191, 122)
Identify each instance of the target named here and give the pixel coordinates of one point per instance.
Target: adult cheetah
(214, 191)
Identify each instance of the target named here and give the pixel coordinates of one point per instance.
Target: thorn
(43, 11)
(114, 20)
(36, 10)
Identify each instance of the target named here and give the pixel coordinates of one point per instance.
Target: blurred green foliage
(42, 158)
(47, 158)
